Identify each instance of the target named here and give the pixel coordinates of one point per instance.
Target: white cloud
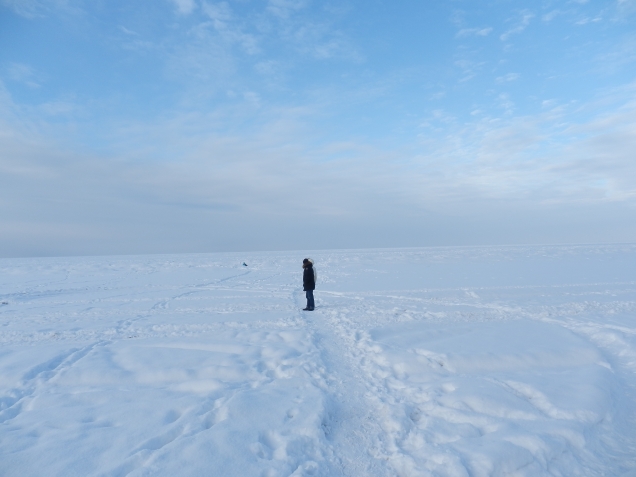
(38, 8)
(619, 56)
(231, 148)
(548, 17)
(23, 73)
(469, 68)
(229, 28)
(473, 32)
(548, 103)
(505, 102)
(25, 8)
(507, 78)
(219, 12)
(213, 186)
(59, 108)
(185, 7)
(267, 68)
(521, 25)
(322, 41)
(127, 31)
(587, 20)
(626, 6)
(285, 8)
(133, 41)
(217, 186)
(252, 97)
(333, 48)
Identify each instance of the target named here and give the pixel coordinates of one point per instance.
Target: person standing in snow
(309, 282)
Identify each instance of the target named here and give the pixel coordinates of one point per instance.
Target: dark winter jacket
(308, 278)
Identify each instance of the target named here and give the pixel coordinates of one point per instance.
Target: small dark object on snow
(5, 302)
(244, 264)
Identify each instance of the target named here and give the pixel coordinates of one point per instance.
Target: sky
(175, 126)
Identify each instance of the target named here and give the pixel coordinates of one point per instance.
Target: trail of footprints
(11, 404)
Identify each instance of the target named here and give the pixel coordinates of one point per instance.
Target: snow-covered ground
(500, 361)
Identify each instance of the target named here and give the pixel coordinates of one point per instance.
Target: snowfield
(490, 361)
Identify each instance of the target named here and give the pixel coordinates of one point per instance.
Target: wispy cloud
(507, 78)
(322, 42)
(473, 32)
(26, 8)
(198, 120)
(506, 103)
(520, 26)
(626, 7)
(551, 15)
(227, 26)
(617, 57)
(585, 21)
(184, 7)
(23, 74)
(488, 158)
(536, 157)
(285, 8)
(38, 8)
(469, 68)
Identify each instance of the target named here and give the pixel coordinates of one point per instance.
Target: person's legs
(310, 299)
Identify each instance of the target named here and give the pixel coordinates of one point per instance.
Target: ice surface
(499, 361)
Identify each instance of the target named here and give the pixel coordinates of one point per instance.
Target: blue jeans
(310, 298)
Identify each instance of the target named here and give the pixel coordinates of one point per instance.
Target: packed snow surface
(504, 361)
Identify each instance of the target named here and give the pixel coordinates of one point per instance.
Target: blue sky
(193, 126)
